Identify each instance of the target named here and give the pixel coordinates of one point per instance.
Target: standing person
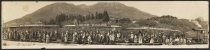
(13, 35)
(62, 36)
(27, 36)
(131, 37)
(135, 39)
(47, 40)
(36, 35)
(93, 37)
(18, 35)
(74, 37)
(9, 35)
(21, 36)
(170, 40)
(104, 39)
(66, 37)
(181, 40)
(184, 41)
(152, 39)
(24, 35)
(30, 35)
(112, 38)
(164, 39)
(79, 38)
(100, 38)
(83, 37)
(107, 38)
(145, 39)
(50, 35)
(89, 39)
(167, 41)
(40, 36)
(6, 34)
(140, 39)
(118, 37)
(55, 35)
(43, 36)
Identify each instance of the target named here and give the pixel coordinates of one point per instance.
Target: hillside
(172, 22)
(49, 12)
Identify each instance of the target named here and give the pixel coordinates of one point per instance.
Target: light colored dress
(118, 35)
(152, 40)
(66, 37)
(74, 37)
(89, 39)
(140, 39)
(132, 36)
(47, 38)
(167, 41)
(135, 39)
(184, 41)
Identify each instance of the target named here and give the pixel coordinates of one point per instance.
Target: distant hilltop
(49, 12)
(104, 13)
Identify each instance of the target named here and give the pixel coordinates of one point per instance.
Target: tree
(60, 18)
(199, 19)
(150, 23)
(106, 16)
(125, 20)
(168, 16)
(96, 15)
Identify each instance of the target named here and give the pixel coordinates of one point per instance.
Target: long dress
(74, 37)
(47, 38)
(89, 39)
(66, 37)
(152, 40)
(135, 39)
(140, 39)
(167, 41)
(131, 38)
(112, 38)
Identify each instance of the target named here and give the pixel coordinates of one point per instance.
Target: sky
(181, 9)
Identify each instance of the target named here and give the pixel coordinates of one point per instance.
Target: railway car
(197, 36)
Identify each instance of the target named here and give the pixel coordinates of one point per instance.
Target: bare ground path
(18, 44)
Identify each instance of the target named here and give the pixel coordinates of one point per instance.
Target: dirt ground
(17, 45)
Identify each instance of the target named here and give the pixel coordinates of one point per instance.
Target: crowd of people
(92, 36)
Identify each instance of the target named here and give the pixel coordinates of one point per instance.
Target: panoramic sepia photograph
(104, 24)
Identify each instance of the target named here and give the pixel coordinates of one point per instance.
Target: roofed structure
(151, 28)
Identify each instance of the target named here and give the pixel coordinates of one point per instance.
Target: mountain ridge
(49, 12)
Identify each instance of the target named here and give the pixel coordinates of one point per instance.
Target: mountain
(49, 12)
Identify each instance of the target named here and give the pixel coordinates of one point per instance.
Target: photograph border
(109, 48)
